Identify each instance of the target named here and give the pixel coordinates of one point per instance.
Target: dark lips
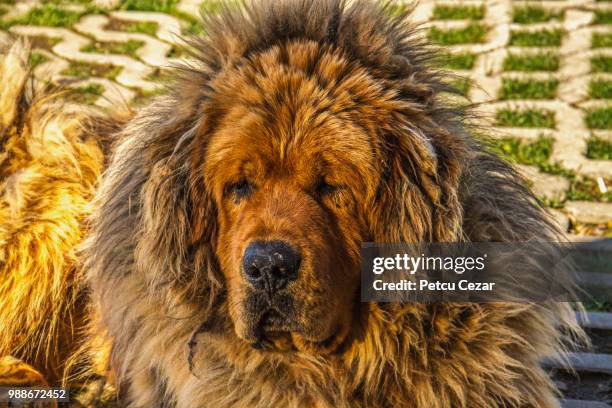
(272, 325)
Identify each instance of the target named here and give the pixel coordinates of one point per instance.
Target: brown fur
(333, 113)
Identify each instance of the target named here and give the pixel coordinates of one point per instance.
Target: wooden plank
(595, 320)
(591, 362)
(572, 403)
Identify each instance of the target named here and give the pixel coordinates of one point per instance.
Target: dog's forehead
(284, 108)
(300, 145)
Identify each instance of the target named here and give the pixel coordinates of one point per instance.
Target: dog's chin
(273, 333)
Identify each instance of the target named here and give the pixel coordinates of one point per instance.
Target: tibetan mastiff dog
(204, 251)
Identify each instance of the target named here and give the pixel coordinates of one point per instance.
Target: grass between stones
(464, 60)
(36, 58)
(213, 6)
(600, 89)
(462, 86)
(85, 70)
(160, 6)
(528, 89)
(599, 149)
(587, 189)
(128, 48)
(603, 17)
(534, 14)
(601, 40)
(518, 151)
(543, 61)
(538, 154)
(599, 118)
(144, 27)
(50, 15)
(444, 12)
(86, 94)
(190, 24)
(473, 33)
(528, 118)
(540, 38)
(601, 63)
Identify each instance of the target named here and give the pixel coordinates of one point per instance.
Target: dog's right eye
(240, 189)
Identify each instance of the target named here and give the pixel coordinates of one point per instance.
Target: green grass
(464, 60)
(87, 94)
(36, 58)
(521, 152)
(443, 12)
(396, 9)
(528, 89)
(213, 6)
(544, 61)
(528, 118)
(541, 38)
(600, 89)
(85, 70)
(601, 63)
(601, 40)
(50, 15)
(144, 27)
(462, 85)
(603, 17)
(599, 149)
(534, 14)
(473, 33)
(160, 6)
(128, 48)
(599, 118)
(587, 189)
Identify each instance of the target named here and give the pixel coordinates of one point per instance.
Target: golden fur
(319, 123)
(48, 171)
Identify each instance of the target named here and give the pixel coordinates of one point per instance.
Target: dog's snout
(270, 265)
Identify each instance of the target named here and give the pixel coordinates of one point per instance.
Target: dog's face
(290, 170)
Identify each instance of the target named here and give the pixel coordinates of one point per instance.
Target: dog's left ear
(417, 198)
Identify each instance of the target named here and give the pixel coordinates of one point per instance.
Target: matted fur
(158, 258)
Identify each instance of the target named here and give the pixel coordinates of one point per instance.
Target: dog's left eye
(325, 189)
(240, 189)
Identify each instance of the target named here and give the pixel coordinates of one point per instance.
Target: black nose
(270, 265)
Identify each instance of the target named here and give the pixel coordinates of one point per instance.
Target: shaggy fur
(48, 169)
(320, 123)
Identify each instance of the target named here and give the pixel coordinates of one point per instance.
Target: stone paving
(116, 51)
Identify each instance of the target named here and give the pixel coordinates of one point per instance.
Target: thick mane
(369, 34)
(152, 267)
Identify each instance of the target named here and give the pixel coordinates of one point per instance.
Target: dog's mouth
(273, 332)
(278, 333)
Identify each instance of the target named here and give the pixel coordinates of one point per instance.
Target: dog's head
(305, 154)
(270, 163)
(291, 169)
